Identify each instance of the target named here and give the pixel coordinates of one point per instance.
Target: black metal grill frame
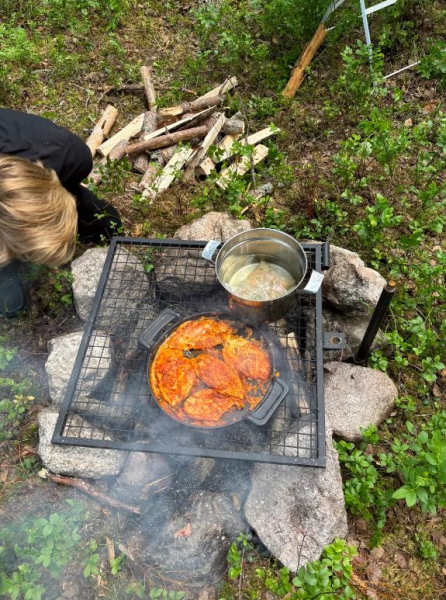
(294, 436)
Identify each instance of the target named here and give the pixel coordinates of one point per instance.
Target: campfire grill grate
(108, 387)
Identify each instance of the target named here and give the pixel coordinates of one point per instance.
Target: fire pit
(140, 279)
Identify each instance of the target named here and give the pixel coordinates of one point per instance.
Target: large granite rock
(349, 285)
(213, 226)
(87, 270)
(356, 397)
(192, 544)
(63, 351)
(127, 284)
(297, 511)
(76, 461)
(142, 474)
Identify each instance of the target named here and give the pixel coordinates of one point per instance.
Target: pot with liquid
(262, 271)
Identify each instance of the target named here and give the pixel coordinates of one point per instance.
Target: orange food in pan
(218, 375)
(200, 334)
(246, 357)
(209, 405)
(172, 374)
(234, 369)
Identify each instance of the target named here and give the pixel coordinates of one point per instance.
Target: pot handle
(314, 283)
(209, 250)
(147, 337)
(261, 414)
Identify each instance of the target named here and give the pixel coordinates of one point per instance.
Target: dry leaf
(401, 560)
(436, 390)
(408, 123)
(185, 532)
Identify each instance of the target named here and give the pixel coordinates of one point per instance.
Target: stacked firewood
(155, 140)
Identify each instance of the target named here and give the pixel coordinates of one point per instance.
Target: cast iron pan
(273, 392)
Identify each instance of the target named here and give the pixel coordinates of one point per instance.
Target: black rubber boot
(13, 297)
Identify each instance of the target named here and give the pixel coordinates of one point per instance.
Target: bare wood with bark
(227, 85)
(298, 72)
(117, 153)
(169, 173)
(129, 131)
(87, 488)
(146, 76)
(182, 123)
(243, 166)
(190, 107)
(234, 126)
(202, 150)
(102, 128)
(141, 163)
(169, 139)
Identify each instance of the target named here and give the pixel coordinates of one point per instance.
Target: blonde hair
(38, 217)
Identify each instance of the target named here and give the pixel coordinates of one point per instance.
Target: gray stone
(297, 511)
(213, 226)
(192, 545)
(127, 284)
(76, 461)
(142, 474)
(356, 397)
(63, 351)
(354, 327)
(87, 270)
(349, 285)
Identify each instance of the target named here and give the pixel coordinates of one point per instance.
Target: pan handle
(148, 336)
(264, 411)
(209, 251)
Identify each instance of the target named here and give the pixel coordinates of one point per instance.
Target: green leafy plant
(327, 578)
(433, 65)
(36, 551)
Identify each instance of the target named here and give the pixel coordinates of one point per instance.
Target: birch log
(129, 131)
(189, 120)
(168, 174)
(168, 140)
(190, 107)
(202, 150)
(146, 76)
(242, 167)
(102, 128)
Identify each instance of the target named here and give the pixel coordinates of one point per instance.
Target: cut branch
(202, 150)
(146, 76)
(169, 173)
(227, 85)
(241, 167)
(102, 128)
(129, 131)
(186, 121)
(87, 488)
(190, 107)
(169, 139)
(298, 72)
(234, 126)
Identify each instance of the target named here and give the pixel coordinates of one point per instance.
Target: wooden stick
(190, 107)
(242, 167)
(168, 174)
(298, 72)
(102, 128)
(206, 167)
(251, 140)
(149, 123)
(202, 150)
(189, 120)
(87, 488)
(141, 163)
(168, 152)
(168, 139)
(146, 76)
(115, 154)
(227, 85)
(130, 130)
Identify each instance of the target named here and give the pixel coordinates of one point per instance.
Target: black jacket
(35, 138)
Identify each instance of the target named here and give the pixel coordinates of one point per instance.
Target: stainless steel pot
(271, 246)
